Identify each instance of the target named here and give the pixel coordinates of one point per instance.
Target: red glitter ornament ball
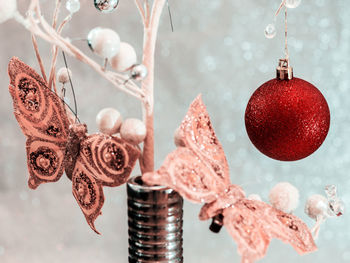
(287, 120)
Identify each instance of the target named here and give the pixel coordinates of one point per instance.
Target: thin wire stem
(71, 85)
(170, 17)
(36, 49)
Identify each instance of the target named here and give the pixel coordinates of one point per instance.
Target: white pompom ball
(104, 42)
(284, 197)
(7, 9)
(133, 131)
(255, 197)
(316, 206)
(109, 121)
(178, 138)
(125, 58)
(62, 75)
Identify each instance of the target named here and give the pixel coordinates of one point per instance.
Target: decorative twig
(36, 49)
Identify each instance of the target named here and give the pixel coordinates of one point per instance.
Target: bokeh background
(218, 49)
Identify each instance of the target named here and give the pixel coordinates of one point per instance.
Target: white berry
(104, 42)
(125, 58)
(7, 9)
(133, 131)
(109, 121)
(316, 206)
(255, 197)
(62, 75)
(285, 197)
(73, 6)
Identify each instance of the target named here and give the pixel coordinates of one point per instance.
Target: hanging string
(71, 84)
(170, 17)
(286, 35)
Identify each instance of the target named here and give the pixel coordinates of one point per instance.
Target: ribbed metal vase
(155, 223)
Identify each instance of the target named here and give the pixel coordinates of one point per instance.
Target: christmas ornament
(287, 118)
(56, 143)
(200, 173)
(106, 6)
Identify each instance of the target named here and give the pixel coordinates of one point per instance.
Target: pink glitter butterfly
(198, 170)
(55, 143)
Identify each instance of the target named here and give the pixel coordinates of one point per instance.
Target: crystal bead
(73, 6)
(331, 191)
(337, 207)
(270, 31)
(138, 72)
(106, 6)
(292, 3)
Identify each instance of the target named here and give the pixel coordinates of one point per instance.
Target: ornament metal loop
(284, 71)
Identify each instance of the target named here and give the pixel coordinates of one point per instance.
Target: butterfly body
(57, 143)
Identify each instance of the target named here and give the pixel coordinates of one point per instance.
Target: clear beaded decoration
(292, 3)
(73, 6)
(270, 31)
(336, 206)
(106, 6)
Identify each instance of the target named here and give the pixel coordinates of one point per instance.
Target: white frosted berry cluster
(110, 121)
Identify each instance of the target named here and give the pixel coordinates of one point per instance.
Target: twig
(141, 11)
(42, 69)
(52, 78)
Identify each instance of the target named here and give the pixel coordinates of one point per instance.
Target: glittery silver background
(218, 49)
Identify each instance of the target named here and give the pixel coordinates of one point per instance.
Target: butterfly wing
(111, 158)
(198, 135)
(186, 173)
(199, 170)
(251, 239)
(252, 224)
(45, 162)
(38, 110)
(88, 192)
(42, 119)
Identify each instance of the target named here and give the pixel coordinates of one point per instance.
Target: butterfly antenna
(69, 107)
(71, 85)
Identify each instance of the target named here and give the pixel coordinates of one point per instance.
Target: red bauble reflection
(287, 120)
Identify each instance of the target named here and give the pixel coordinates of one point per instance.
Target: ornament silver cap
(155, 219)
(284, 71)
